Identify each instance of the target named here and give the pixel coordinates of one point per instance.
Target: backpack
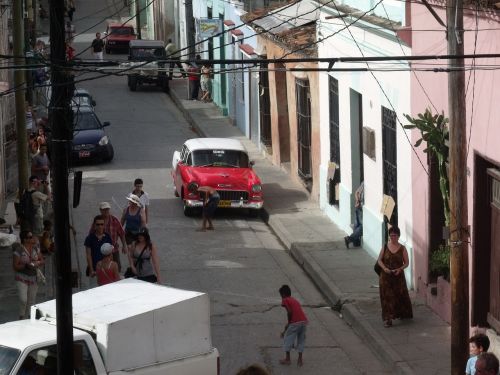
(26, 206)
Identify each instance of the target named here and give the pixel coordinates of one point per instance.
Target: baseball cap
(106, 249)
(104, 205)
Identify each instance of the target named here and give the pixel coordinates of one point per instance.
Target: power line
(329, 36)
(249, 23)
(385, 94)
(414, 73)
(234, 28)
(123, 23)
(473, 88)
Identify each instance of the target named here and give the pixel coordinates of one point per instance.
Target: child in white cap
(107, 268)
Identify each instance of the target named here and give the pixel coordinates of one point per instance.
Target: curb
(350, 313)
(332, 293)
(186, 113)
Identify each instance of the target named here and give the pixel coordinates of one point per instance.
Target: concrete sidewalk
(346, 277)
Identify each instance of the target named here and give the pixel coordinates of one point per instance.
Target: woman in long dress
(394, 298)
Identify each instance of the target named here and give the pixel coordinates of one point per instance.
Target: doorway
(356, 114)
(282, 109)
(303, 107)
(390, 163)
(486, 224)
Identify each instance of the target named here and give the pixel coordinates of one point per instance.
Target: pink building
(429, 90)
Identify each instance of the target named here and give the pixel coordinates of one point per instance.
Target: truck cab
(117, 37)
(126, 327)
(145, 61)
(30, 345)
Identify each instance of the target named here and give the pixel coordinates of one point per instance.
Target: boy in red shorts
(295, 329)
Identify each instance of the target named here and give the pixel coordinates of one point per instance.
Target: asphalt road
(240, 265)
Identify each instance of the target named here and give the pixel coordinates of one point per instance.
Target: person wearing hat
(106, 269)
(93, 243)
(133, 218)
(143, 196)
(113, 227)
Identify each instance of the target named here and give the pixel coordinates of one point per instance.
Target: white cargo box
(138, 323)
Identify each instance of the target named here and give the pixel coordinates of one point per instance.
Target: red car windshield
(219, 158)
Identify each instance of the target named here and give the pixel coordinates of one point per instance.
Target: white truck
(127, 327)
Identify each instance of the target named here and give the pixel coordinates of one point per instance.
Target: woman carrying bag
(143, 259)
(26, 261)
(394, 298)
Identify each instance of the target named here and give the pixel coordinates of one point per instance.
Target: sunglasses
(99, 224)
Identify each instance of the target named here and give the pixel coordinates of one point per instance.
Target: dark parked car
(82, 97)
(90, 141)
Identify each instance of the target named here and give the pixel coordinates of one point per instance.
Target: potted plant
(439, 263)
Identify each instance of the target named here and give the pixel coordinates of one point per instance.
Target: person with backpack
(30, 207)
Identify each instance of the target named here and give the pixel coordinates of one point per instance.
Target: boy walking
(295, 329)
(478, 344)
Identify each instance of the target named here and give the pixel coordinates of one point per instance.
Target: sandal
(387, 323)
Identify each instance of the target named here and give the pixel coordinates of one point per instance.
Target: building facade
(483, 161)
(362, 108)
(289, 102)
(8, 146)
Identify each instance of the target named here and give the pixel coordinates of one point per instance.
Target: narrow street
(240, 265)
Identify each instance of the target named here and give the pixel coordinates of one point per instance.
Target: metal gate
(389, 155)
(303, 100)
(333, 88)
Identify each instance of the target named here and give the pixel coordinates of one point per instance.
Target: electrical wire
(383, 91)
(414, 73)
(123, 23)
(247, 23)
(473, 87)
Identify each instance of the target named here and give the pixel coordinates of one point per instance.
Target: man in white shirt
(143, 196)
(174, 54)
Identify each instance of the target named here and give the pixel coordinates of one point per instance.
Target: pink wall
(485, 135)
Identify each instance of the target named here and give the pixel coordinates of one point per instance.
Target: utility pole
(459, 233)
(28, 47)
(190, 30)
(61, 123)
(20, 85)
(138, 18)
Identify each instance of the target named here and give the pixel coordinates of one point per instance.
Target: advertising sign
(208, 27)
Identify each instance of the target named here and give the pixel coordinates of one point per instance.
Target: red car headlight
(256, 188)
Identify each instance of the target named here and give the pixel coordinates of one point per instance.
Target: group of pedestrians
(199, 76)
(481, 361)
(69, 30)
(102, 244)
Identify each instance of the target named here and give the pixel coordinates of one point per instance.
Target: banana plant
(435, 134)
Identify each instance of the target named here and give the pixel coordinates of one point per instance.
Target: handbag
(40, 277)
(128, 272)
(377, 268)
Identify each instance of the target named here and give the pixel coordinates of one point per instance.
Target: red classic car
(221, 163)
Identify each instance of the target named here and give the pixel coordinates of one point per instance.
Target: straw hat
(134, 199)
